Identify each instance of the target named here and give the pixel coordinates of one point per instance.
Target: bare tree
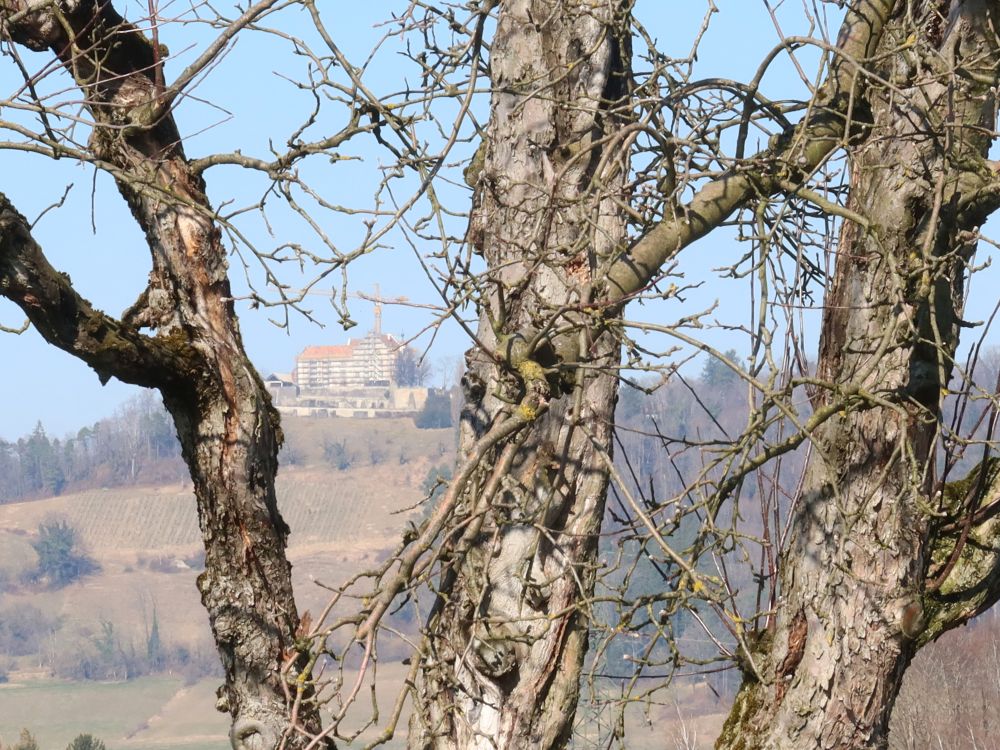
(875, 566)
(536, 434)
(875, 554)
(180, 337)
(588, 185)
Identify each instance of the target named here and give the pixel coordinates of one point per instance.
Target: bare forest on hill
(137, 445)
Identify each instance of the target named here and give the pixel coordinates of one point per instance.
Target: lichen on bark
(966, 536)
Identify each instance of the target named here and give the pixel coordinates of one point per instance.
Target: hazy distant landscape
(347, 489)
(77, 658)
(146, 542)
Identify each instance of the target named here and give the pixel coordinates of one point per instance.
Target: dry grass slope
(341, 521)
(361, 505)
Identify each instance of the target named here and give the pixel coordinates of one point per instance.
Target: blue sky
(245, 102)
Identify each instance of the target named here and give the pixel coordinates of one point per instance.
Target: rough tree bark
(858, 588)
(910, 95)
(193, 353)
(508, 635)
(882, 559)
(495, 669)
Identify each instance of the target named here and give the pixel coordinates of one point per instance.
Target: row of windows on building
(369, 361)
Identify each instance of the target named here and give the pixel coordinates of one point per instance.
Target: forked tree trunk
(855, 597)
(228, 429)
(507, 638)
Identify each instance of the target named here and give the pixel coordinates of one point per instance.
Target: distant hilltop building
(359, 363)
(356, 379)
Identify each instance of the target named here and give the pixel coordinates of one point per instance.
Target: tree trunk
(228, 429)
(507, 637)
(230, 436)
(854, 578)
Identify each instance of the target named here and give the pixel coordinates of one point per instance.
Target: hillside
(347, 488)
(323, 508)
(146, 541)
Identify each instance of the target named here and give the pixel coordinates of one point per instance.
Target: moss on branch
(972, 584)
(70, 322)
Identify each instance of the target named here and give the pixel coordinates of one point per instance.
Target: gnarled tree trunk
(508, 635)
(194, 354)
(857, 580)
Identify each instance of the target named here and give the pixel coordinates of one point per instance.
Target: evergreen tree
(60, 560)
(27, 741)
(154, 647)
(717, 373)
(86, 742)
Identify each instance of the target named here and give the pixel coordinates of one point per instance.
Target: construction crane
(375, 298)
(378, 300)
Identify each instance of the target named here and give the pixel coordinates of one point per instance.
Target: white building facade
(360, 363)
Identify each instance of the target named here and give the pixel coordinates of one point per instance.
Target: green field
(153, 713)
(122, 714)
(161, 713)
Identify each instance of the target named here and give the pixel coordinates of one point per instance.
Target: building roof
(346, 351)
(327, 352)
